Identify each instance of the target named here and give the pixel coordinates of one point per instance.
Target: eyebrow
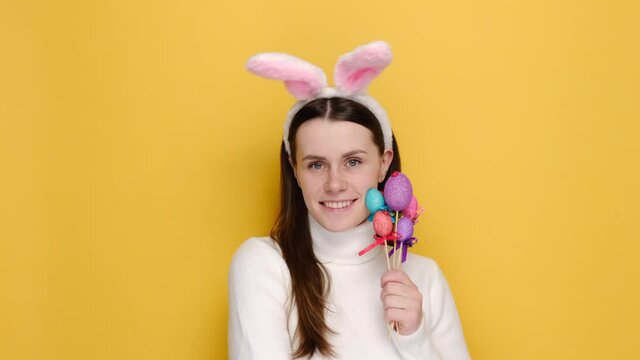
(347, 154)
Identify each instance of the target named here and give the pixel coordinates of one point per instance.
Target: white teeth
(337, 204)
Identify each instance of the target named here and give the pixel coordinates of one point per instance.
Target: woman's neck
(342, 247)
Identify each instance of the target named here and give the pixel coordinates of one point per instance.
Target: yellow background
(136, 154)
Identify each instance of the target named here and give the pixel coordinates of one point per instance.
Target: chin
(339, 222)
(338, 227)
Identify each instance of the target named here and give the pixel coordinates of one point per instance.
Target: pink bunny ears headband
(306, 82)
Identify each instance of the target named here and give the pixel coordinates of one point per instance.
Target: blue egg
(374, 200)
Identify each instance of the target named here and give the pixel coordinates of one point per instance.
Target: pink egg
(405, 228)
(398, 191)
(382, 223)
(411, 211)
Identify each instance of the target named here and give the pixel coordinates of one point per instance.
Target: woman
(304, 292)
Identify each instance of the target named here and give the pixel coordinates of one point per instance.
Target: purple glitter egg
(405, 228)
(398, 191)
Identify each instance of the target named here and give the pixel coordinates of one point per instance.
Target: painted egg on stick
(413, 210)
(405, 228)
(382, 223)
(374, 200)
(398, 191)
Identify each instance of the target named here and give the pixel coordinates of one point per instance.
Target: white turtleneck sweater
(260, 291)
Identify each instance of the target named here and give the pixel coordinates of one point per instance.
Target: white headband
(306, 82)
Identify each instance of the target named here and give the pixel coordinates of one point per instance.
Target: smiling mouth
(337, 205)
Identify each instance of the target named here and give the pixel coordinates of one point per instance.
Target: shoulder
(257, 271)
(258, 247)
(257, 254)
(257, 250)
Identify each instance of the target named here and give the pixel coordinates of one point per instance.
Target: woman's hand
(401, 300)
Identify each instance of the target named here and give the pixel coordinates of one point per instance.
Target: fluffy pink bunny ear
(302, 79)
(355, 70)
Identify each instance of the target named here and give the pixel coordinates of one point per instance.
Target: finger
(395, 288)
(400, 302)
(402, 291)
(395, 275)
(407, 322)
(400, 315)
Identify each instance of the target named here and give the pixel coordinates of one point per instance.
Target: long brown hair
(309, 278)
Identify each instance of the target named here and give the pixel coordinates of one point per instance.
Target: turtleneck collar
(342, 247)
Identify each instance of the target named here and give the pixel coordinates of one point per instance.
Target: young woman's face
(336, 163)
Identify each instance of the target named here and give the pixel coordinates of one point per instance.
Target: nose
(335, 181)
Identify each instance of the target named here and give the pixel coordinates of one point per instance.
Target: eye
(353, 162)
(317, 165)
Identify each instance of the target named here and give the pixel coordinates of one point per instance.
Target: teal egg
(374, 200)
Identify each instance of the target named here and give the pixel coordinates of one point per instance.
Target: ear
(302, 79)
(295, 174)
(355, 70)
(387, 157)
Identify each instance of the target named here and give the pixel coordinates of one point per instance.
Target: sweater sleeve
(440, 335)
(257, 303)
